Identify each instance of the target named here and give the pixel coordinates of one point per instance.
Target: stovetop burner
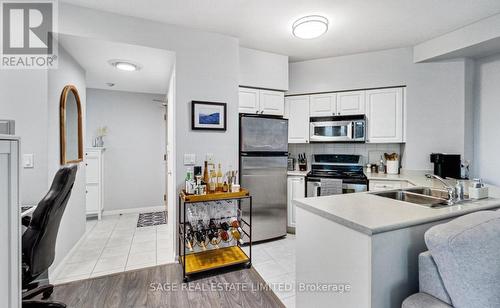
(336, 166)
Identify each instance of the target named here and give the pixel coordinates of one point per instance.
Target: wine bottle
(205, 174)
(199, 234)
(224, 235)
(212, 183)
(219, 178)
(224, 226)
(236, 235)
(236, 224)
(189, 236)
(212, 234)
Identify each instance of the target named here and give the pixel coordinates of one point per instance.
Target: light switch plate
(189, 159)
(28, 161)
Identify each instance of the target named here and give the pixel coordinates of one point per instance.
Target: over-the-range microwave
(349, 128)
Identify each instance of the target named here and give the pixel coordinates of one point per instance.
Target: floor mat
(152, 219)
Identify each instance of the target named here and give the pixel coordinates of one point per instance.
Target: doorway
(128, 117)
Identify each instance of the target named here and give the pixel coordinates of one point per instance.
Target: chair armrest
(430, 280)
(423, 300)
(25, 221)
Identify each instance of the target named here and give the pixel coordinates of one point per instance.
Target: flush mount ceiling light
(310, 27)
(125, 65)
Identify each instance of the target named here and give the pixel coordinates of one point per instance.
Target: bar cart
(231, 253)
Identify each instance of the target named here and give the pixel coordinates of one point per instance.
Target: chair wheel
(185, 279)
(249, 265)
(47, 294)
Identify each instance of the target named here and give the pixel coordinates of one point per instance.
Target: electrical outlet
(189, 159)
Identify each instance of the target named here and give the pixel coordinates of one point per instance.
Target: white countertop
(297, 173)
(371, 214)
(415, 177)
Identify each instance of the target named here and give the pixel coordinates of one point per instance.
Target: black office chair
(39, 240)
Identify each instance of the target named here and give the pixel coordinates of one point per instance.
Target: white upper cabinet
(384, 115)
(297, 112)
(248, 100)
(322, 105)
(272, 102)
(261, 101)
(352, 102)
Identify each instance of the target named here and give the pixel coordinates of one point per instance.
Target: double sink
(434, 198)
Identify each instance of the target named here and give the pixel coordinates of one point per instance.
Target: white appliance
(351, 128)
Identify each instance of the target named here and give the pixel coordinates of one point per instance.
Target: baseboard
(135, 210)
(53, 274)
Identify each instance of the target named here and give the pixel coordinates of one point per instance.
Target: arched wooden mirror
(71, 126)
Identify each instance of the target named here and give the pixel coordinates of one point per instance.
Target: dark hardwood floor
(148, 288)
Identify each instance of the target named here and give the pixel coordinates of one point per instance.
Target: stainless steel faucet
(455, 193)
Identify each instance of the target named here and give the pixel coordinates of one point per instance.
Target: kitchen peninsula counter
(369, 242)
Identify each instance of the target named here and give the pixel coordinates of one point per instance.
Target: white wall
(487, 123)
(73, 221)
(207, 68)
(134, 170)
(263, 69)
(31, 98)
(435, 95)
(23, 98)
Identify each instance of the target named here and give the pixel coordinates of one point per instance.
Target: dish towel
(331, 187)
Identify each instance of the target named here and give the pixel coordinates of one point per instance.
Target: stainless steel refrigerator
(263, 171)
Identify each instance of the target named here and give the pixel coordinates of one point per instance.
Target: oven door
(331, 131)
(313, 187)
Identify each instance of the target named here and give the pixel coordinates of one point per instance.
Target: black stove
(338, 166)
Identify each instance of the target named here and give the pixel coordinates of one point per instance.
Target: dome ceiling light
(310, 27)
(125, 65)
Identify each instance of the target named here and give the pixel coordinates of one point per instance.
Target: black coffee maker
(447, 165)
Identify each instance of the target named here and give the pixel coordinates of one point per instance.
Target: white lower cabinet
(297, 113)
(296, 188)
(94, 181)
(384, 115)
(381, 185)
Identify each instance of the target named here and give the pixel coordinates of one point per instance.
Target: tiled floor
(275, 262)
(115, 244)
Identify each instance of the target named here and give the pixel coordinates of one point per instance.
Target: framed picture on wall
(208, 116)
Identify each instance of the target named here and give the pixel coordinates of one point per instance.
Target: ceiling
(94, 55)
(355, 25)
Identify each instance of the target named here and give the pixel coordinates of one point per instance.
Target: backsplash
(369, 152)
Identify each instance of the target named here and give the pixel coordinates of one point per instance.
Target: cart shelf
(212, 259)
(215, 258)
